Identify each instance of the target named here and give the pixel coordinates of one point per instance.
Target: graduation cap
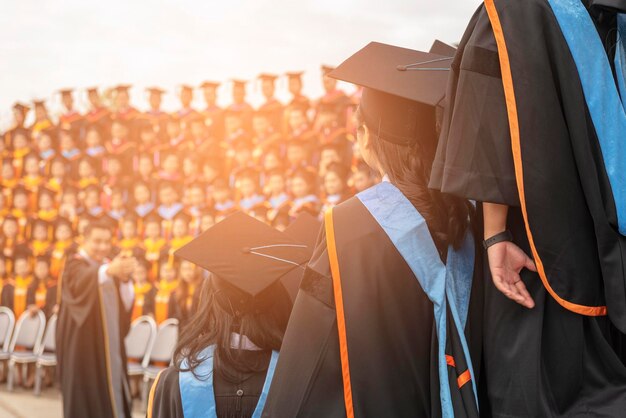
(39, 103)
(209, 84)
(326, 69)
(22, 252)
(155, 90)
(122, 88)
(92, 90)
(21, 107)
(442, 48)
(61, 221)
(305, 228)
(247, 256)
(152, 217)
(186, 87)
(239, 83)
(66, 92)
(267, 76)
(294, 74)
(401, 89)
(43, 190)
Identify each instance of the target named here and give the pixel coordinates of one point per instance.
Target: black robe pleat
(547, 361)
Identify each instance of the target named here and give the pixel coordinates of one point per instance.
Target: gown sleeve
(79, 291)
(474, 159)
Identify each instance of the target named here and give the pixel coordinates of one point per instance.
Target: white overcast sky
(50, 44)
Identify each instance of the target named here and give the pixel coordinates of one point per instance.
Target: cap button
(239, 392)
(246, 250)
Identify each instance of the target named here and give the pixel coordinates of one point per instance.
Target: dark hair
(212, 324)
(408, 167)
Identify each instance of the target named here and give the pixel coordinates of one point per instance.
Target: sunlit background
(46, 45)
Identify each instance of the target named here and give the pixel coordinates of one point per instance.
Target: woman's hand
(506, 260)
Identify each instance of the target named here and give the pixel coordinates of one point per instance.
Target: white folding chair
(161, 352)
(7, 322)
(138, 343)
(46, 356)
(28, 333)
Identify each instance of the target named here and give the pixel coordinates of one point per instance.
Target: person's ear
(366, 137)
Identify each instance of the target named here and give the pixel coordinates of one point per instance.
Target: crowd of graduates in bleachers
(161, 178)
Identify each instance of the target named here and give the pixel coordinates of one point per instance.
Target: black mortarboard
(60, 221)
(122, 87)
(152, 216)
(245, 252)
(155, 90)
(305, 229)
(209, 84)
(442, 48)
(22, 252)
(326, 69)
(66, 92)
(21, 106)
(401, 88)
(294, 74)
(266, 76)
(43, 257)
(183, 216)
(46, 191)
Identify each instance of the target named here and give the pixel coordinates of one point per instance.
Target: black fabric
(51, 297)
(547, 361)
(392, 340)
(167, 401)
(80, 343)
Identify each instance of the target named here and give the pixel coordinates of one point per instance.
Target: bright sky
(46, 45)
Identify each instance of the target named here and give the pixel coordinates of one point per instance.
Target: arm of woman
(506, 259)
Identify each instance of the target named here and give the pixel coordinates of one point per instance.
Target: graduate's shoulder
(165, 397)
(524, 6)
(75, 259)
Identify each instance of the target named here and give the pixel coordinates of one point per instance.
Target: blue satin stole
(607, 109)
(197, 394)
(446, 285)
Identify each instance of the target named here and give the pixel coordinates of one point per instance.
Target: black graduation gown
(6, 297)
(51, 296)
(82, 347)
(166, 401)
(392, 340)
(547, 361)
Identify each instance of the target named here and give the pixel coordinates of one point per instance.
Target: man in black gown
(558, 354)
(95, 304)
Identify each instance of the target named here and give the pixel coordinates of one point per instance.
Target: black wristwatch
(501, 237)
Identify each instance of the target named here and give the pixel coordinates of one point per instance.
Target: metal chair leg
(37, 389)
(145, 388)
(11, 366)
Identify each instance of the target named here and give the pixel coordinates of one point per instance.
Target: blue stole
(607, 111)
(197, 394)
(250, 202)
(447, 285)
(168, 212)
